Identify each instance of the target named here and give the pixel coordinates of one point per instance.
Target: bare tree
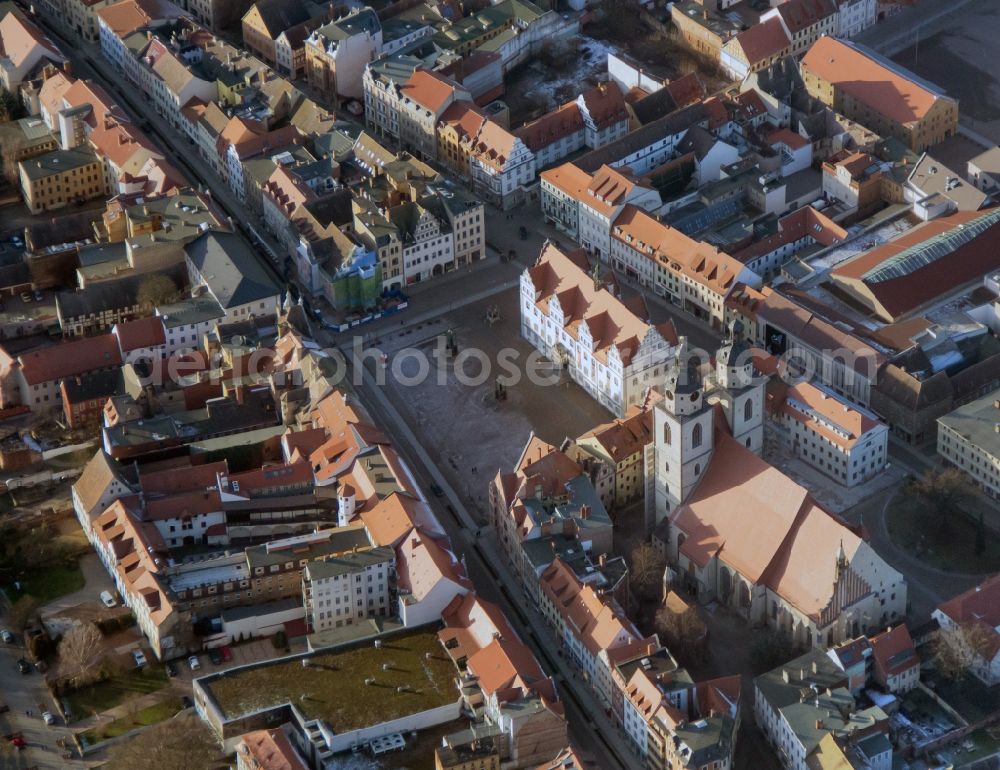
(130, 705)
(943, 491)
(956, 648)
(181, 743)
(80, 654)
(682, 632)
(646, 570)
(22, 613)
(10, 154)
(155, 289)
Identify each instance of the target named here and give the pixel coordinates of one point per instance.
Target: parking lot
(953, 59)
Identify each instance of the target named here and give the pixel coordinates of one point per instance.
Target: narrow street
(593, 730)
(88, 63)
(24, 693)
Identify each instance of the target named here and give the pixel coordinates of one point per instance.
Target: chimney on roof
(584, 511)
(819, 724)
(602, 560)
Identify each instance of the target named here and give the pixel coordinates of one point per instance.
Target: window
(666, 433)
(748, 409)
(696, 436)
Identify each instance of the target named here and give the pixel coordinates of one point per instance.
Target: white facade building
(346, 589)
(845, 442)
(602, 345)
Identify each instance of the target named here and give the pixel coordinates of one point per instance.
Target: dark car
(215, 656)
(24, 666)
(186, 701)
(436, 490)
(522, 231)
(171, 669)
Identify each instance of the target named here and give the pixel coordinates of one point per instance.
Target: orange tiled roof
(610, 322)
(696, 260)
(889, 90)
(271, 750)
(430, 90)
(20, 40)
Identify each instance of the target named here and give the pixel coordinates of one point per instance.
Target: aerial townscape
(499, 385)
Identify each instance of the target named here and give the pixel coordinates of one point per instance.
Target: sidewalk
(122, 710)
(496, 564)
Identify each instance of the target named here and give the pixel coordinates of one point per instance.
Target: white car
(107, 599)
(194, 662)
(48, 718)
(139, 658)
(7, 637)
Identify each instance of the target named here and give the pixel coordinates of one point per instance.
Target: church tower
(741, 398)
(682, 434)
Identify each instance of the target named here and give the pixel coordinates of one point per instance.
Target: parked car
(215, 656)
(7, 636)
(24, 666)
(17, 740)
(186, 701)
(108, 599)
(227, 654)
(48, 718)
(25, 296)
(436, 490)
(139, 658)
(194, 663)
(38, 295)
(171, 669)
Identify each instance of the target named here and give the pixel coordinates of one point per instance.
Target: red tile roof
(764, 40)
(686, 89)
(551, 127)
(787, 137)
(606, 105)
(894, 651)
(980, 607)
(805, 222)
(141, 333)
(70, 358)
(800, 15)
(911, 286)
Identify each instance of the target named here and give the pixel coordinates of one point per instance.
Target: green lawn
(52, 582)
(150, 715)
(954, 549)
(332, 687)
(111, 692)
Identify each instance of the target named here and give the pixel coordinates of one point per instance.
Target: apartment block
(346, 589)
(61, 177)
